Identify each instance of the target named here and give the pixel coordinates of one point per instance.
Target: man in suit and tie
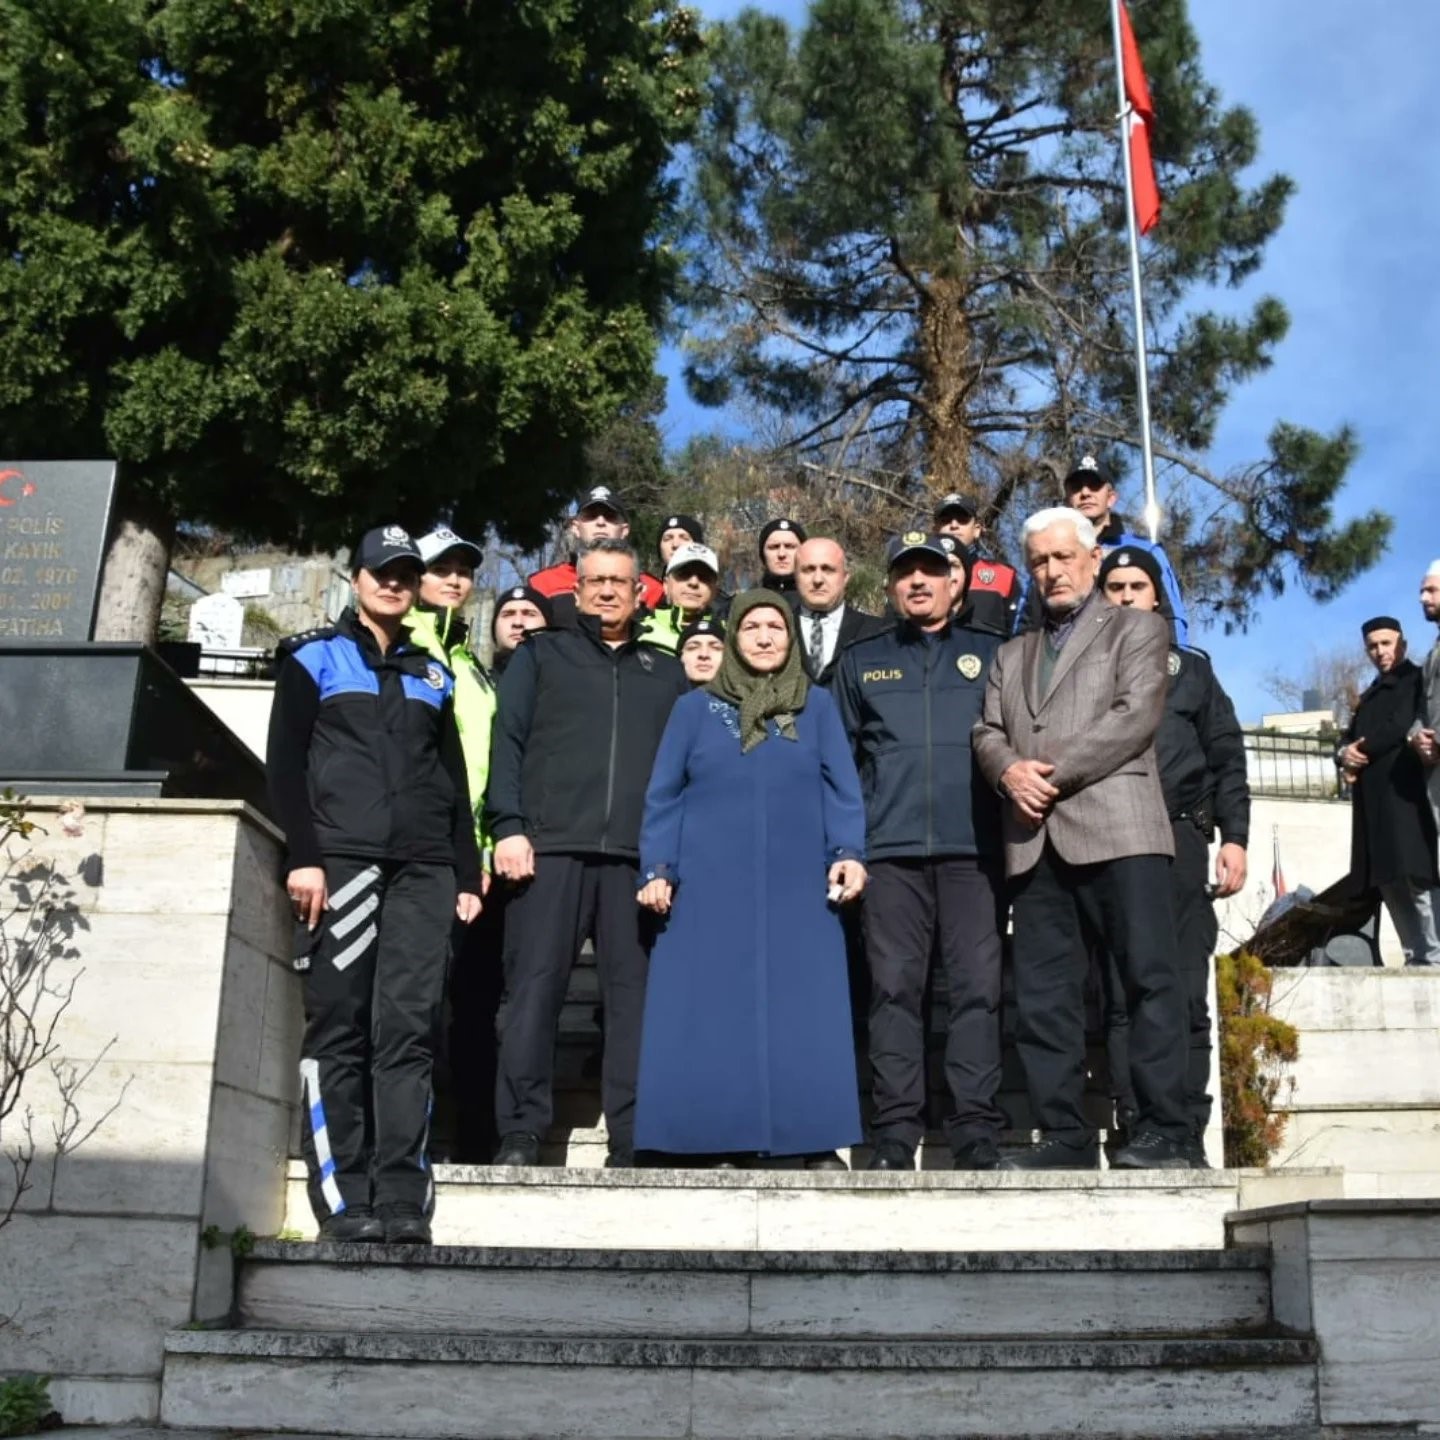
(827, 623)
(1068, 738)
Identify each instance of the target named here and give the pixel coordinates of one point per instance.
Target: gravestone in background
(54, 516)
(80, 717)
(217, 622)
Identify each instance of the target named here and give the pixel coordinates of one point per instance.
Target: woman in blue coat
(754, 832)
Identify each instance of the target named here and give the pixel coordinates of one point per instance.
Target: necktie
(817, 644)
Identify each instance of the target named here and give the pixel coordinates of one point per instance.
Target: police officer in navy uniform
(992, 592)
(910, 698)
(1201, 755)
(368, 780)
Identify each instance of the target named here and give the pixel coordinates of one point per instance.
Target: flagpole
(1142, 379)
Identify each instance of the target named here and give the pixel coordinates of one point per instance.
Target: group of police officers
(442, 817)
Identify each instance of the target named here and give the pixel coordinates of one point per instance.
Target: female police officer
(364, 757)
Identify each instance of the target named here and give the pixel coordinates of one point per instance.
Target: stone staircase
(600, 1304)
(567, 1342)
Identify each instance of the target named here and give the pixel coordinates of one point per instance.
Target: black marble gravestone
(79, 717)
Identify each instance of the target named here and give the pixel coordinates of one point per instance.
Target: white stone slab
(1343, 999)
(241, 1013)
(148, 1157)
(93, 1297)
(259, 914)
(496, 1302)
(435, 1402)
(985, 1305)
(281, 1033)
(167, 864)
(85, 1400)
(62, 846)
(246, 1162)
(1383, 1235)
(1372, 1139)
(1378, 1392)
(148, 986)
(1386, 1309)
(903, 1405)
(993, 1219)
(1366, 1067)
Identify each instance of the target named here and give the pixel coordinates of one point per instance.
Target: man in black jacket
(1392, 845)
(581, 716)
(368, 780)
(910, 698)
(1200, 751)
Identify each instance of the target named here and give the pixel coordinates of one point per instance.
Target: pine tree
(302, 267)
(910, 240)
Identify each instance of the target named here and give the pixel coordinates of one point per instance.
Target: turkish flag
(1141, 118)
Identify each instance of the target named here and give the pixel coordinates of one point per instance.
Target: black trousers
(572, 898)
(910, 905)
(373, 982)
(1062, 913)
(1196, 931)
(477, 982)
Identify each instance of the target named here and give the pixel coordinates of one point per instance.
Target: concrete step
(733, 1295)
(536, 1208)
(485, 1386)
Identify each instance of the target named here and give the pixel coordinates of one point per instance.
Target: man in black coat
(1200, 751)
(580, 719)
(827, 623)
(910, 698)
(1392, 845)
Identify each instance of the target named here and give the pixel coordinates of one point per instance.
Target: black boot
(405, 1225)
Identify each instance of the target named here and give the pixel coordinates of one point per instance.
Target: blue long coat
(747, 1042)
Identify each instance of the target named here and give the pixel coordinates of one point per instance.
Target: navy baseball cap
(383, 546)
(915, 542)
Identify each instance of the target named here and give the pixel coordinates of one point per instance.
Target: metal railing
(1293, 767)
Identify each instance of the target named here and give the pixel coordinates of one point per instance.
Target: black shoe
(620, 1159)
(1150, 1150)
(1054, 1154)
(982, 1154)
(892, 1155)
(352, 1227)
(405, 1225)
(519, 1147)
(1195, 1153)
(826, 1160)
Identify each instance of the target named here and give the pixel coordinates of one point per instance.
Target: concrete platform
(543, 1207)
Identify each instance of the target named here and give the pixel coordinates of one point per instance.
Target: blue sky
(1344, 96)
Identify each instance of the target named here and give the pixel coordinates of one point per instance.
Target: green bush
(25, 1405)
(1255, 1049)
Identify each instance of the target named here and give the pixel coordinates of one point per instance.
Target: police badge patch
(969, 666)
(1173, 664)
(434, 677)
(986, 574)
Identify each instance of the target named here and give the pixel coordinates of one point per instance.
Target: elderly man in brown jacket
(1067, 737)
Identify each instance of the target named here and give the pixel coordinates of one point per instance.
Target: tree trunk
(945, 344)
(132, 584)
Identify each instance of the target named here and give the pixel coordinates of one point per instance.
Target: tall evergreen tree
(910, 239)
(304, 265)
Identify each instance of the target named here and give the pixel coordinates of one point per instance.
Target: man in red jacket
(599, 516)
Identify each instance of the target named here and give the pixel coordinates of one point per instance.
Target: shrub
(1255, 1049)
